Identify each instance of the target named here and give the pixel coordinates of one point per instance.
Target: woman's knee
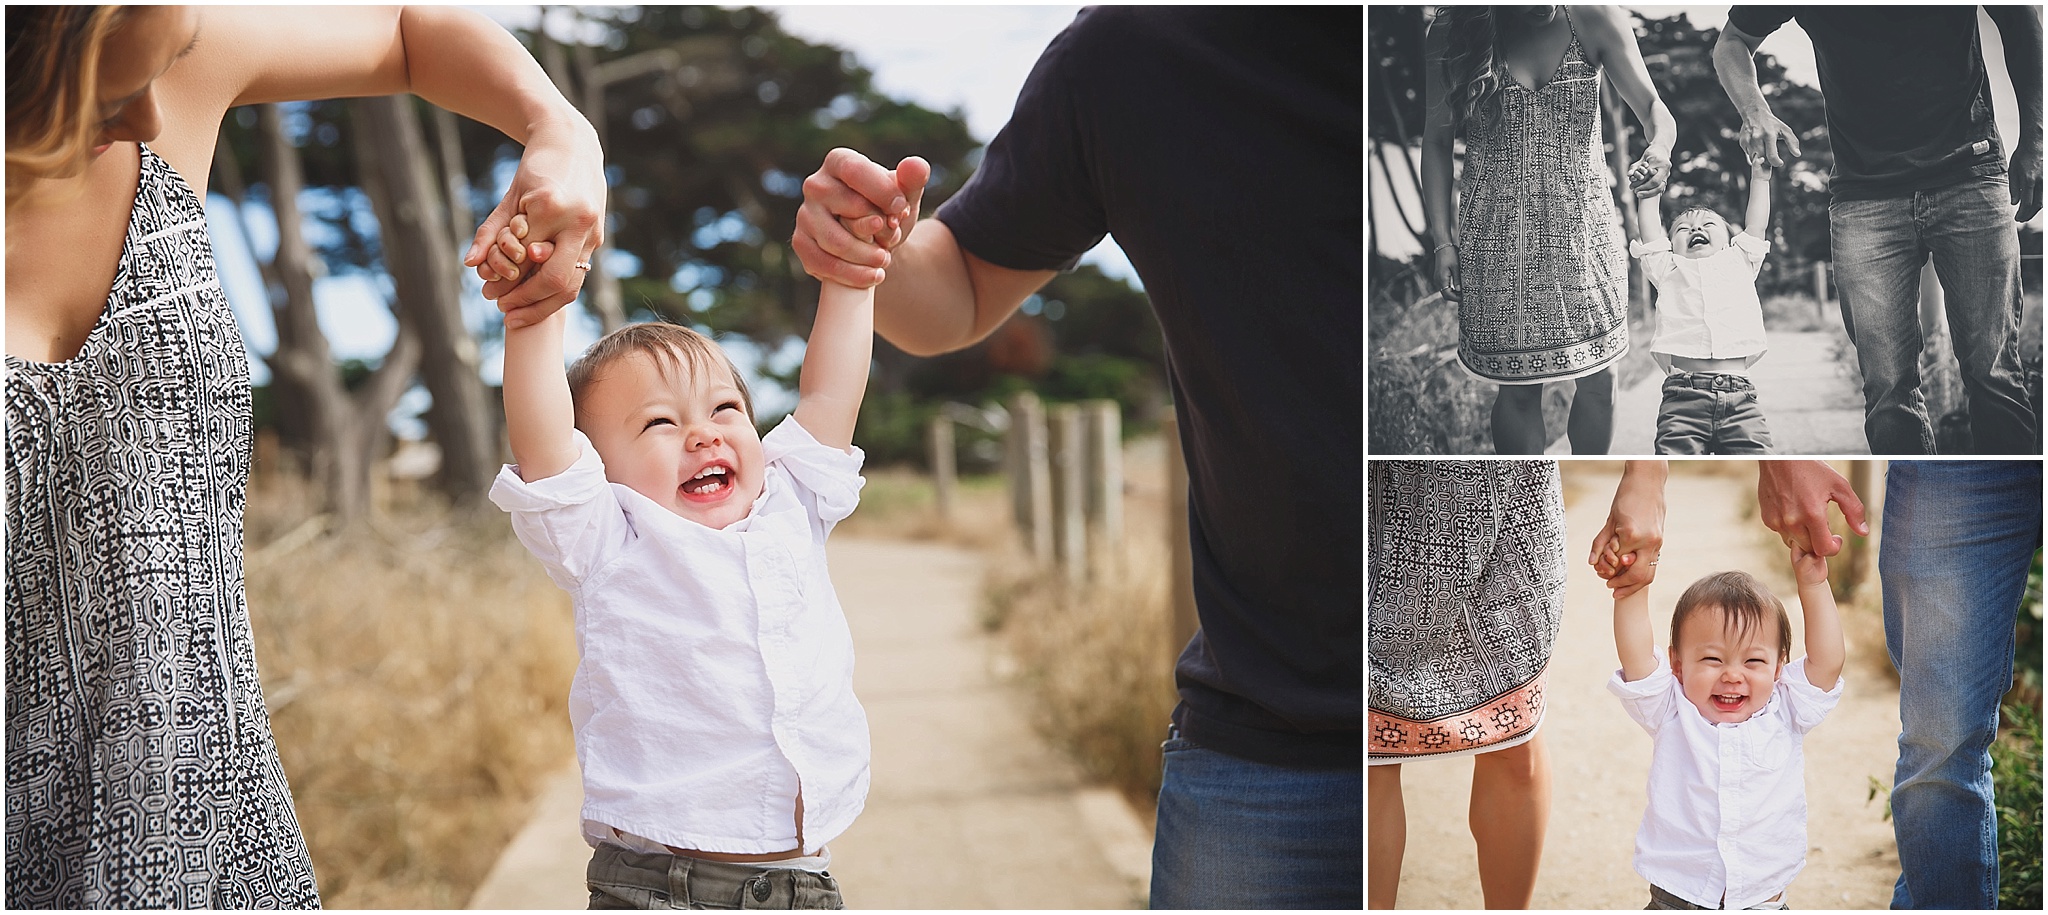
(1524, 764)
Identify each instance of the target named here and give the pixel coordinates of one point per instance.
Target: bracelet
(1448, 244)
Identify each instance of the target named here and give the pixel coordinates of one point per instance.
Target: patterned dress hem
(1515, 715)
(1546, 379)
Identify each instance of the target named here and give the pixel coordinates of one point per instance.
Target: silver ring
(583, 265)
(1653, 562)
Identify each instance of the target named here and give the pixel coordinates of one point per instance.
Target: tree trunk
(601, 288)
(399, 176)
(343, 433)
(462, 221)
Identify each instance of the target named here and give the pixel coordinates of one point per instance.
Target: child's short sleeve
(827, 479)
(1652, 700)
(1805, 703)
(571, 522)
(1656, 257)
(1753, 250)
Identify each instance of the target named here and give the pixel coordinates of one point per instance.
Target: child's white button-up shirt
(1727, 809)
(1707, 307)
(717, 668)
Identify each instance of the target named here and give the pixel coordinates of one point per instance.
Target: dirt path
(968, 807)
(1600, 759)
(1809, 393)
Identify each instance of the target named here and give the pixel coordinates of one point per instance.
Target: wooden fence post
(1182, 622)
(940, 436)
(1105, 480)
(1069, 521)
(1030, 478)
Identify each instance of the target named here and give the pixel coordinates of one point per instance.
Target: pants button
(761, 889)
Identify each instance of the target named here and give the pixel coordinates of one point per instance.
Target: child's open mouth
(1698, 239)
(1728, 703)
(712, 482)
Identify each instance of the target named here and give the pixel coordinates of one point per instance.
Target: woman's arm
(836, 358)
(1614, 42)
(1438, 127)
(452, 57)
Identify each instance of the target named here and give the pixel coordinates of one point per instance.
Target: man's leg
(1976, 249)
(1877, 267)
(1959, 537)
(1236, 834)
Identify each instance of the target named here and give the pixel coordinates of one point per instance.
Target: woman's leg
(1591, 427)
(1518, 419)
(1510, 811)
(1386, 835)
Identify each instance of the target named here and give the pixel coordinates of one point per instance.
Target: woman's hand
(1626, 549)
(560, 188)
(1447, 281)
(1650, 173)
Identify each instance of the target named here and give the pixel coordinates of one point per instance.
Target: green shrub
(2016, 773)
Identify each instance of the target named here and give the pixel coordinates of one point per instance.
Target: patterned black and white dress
(141, 772)
(1539, 249)
(1467, 568)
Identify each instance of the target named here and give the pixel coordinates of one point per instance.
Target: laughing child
(1710, 324)
(1725, 826)
(719, 738)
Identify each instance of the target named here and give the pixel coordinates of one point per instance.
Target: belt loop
(679, 882)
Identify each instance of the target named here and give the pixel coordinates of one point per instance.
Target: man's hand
(849, 197)
(2025, 177)
(1792, 498)
(1626, 549)
(560, 188)
(1761, 136)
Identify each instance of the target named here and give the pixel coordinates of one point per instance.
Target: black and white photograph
(1704, 230)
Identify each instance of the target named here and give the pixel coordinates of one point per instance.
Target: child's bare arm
(835, 373)
(1632, 642)
(1824, 651)
(1649, 217)
(1757, 222)
(539, 416)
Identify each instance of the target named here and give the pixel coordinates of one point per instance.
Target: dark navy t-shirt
(1224, 149)
(1908, 100)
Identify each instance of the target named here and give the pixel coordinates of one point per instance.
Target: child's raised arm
(835, 373)
(539, 417)
(1632, 642)
(1824, 651)
(1757, 221)
(1649, 218)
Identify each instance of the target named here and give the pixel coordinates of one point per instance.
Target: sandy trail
(1600, 759)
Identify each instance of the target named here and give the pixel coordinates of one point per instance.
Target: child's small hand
(1808, 567)
(1649, 174)
(1611, 563)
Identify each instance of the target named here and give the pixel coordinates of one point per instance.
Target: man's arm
(1735, 65)
(2019, 29)
(1792, 499)
(939, 298)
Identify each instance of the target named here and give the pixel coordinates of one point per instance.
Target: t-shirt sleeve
(1656, 258)
(1652, 700)
(1759, 21)
(827, 480)
(1753, 250)
(571, 522)
(1033, 204)
(1806, 704)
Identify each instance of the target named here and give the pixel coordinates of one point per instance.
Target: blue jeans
(1958, 539)
(1879, 247)
(1235, 834)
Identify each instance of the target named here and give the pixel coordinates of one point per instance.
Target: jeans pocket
(625, 896)
(1177, 744)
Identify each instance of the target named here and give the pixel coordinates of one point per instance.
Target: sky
(1789, 44)
(969, 59)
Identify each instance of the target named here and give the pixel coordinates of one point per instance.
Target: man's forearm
(2019, 30)
(938, 298)
(1735, 66)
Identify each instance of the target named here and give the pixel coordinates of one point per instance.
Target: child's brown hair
(677, 351)
(1741, 597)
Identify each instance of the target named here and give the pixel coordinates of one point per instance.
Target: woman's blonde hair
(677, 351)
(53, 75)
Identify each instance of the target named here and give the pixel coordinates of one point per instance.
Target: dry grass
(417, 672)
(1097, 657)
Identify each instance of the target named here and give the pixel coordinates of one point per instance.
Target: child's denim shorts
(1710, 413)
(1660, 899)
(621, 879)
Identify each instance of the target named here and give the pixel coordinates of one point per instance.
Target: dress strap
(1568, 21)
